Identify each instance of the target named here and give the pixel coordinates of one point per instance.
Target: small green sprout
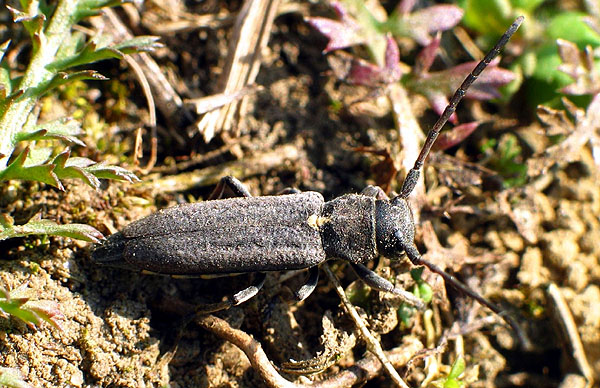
(12, 378)
(452, 380)
(421, 290)
(18, 303)
(57, 54)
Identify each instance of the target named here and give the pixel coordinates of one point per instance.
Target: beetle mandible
(294, 231)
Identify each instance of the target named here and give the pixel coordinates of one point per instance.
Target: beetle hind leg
(380, 284)
(309, 286)
(235, 299)
(251, 291)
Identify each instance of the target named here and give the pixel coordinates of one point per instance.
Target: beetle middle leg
(309, 286)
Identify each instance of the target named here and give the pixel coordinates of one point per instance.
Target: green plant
(506, 158)
(370, 26)
(452, 380)
(540, 57)
(12, 378)
(56, 55)
(18, 303)
(421, 290)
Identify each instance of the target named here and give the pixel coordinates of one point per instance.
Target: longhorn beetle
(286, 232)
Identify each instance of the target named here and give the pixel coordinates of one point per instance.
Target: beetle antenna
(416, 258)
(413, 175)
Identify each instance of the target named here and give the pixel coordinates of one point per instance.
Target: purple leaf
(422, 23)
(46, 310)
(392, 70)
(341, 34)
(486, 86)
(427, 56)
(360, 72)
(438, 86)
(439, 102)
(405, 6)
(455, 136)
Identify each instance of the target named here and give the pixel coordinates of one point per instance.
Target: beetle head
(395, 227)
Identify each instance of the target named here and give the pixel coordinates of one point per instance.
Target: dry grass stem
(372, 343)
(251, 34)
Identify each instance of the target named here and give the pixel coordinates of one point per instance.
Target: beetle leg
(233, 184)
(236, 299)
(380, 284)
(289, 190)
(250, 292)
(375, 192)
(309, 286)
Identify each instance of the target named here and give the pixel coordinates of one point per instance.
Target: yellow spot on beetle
(316, 222)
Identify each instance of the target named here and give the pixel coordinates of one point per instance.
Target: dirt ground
(526, 248)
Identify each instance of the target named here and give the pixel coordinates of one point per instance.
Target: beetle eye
(401, 239)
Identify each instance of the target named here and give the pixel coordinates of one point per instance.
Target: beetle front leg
(236, 187)
(378, 283)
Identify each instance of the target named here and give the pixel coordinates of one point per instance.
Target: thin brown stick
(562, 314)
(365, 369)
(372, 343)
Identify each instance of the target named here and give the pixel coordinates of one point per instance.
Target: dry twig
(372, 343)
(562, 314)
(251, 34)
(363, 370)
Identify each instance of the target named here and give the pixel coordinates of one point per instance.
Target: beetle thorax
(395, 228)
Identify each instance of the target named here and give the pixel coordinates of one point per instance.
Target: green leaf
(425, 292)
(369, 29)
(34, 24)
(40, 173)
(69, 168)
(89, 54)
(422, 289)
(86, 8)
(62, 79)
(38, 155)
(487, 17)
(64, 129)
(51, 228)
(12, 378)
(6, 103)
(104, 171)
(69, 46)
(18, 303)
(527, 6)
(458, 367)
(571, 26)
(405, 312)
(139, 43)
(416, 274)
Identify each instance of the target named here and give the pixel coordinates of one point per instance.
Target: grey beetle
(295, 231)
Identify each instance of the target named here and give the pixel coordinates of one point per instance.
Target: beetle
(301, 230)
